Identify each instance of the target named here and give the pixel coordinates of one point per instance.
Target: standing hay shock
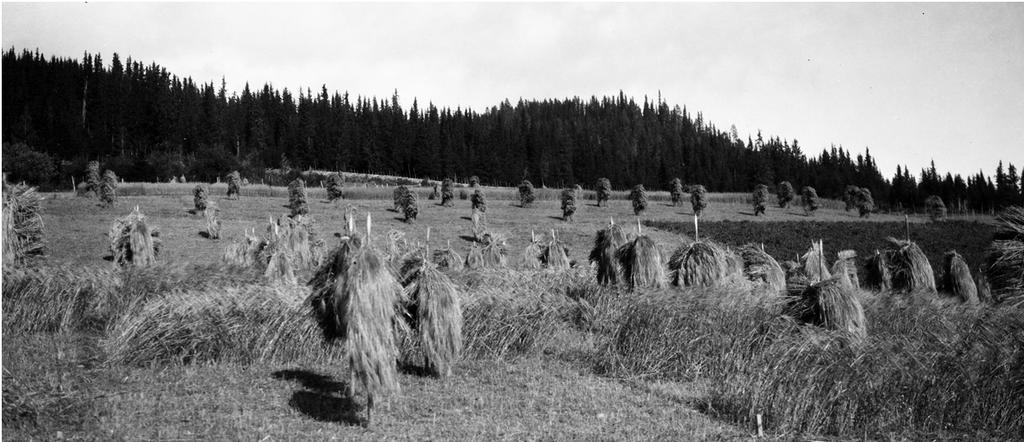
(92, 179)
(640, 263)
(399, 196)
(810, 200)
(108, 188)
(910, 269)
(604, 191)
(448, 259)
(244, 253)
(760, 267)
(556, 254)
(675, 188)
(815, 267)
(276, 257)
(531, 256)
(785, 194)
(297, 197)
(935, 207)
(568, 204)
(410, 207)
(234, 180)
(845, 268)
(493, 251)
(447, 193)
(1004, 260)
(957, 280)
(479, 221)
(760, 199)
(832, 304)
(335, 185)
(879, 277)
(355, 298)
(200, 196)
(212, 223)
(698, 199)
(699, 264)
(435, 193)
(526, 194)
(479, 201)
(475, 257)
(436, 313)
(639, 197)
(606, 243)
(864, 202)
(850, 197)
(132, 241)
(23, 224)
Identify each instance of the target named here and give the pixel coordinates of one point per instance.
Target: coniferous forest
(145, 124)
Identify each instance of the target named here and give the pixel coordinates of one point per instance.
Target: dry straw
(957, 280)
(702, 263)
(479, 201)
(92, 179)
(234, 180)
(108, 188)
(447, 193)
(399, 196)
(297, 197)
(410, 207)
(23, 224)
(910, 269)
(568, 204)
(604, 191)
(676, 191)
(639, 197)
(935, 207)
(556, 254)
(810, 199)
(815, 267)
(526, 194)
(1005, 258)
(493, 251)
(435, 308)
(200, 196)
(132, 241)
(785, 194)
(448, 259)
(530, 259)
(475, 257)
(698, 199)
(479, 222)
(606, 243)
(640, 262)
(760, 267)
(760, 199)
(846, 268)
(335, 184)
(864, 202)
(832, 304)
(879, 276)
(212, 223)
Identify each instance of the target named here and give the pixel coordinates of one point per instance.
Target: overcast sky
(913, 82)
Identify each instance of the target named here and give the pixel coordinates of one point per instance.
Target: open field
(549, 355)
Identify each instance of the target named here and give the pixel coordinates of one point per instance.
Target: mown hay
(434, 305)
(245, 252)
(640, 263)
(760, 199)
(200, 197)
(555, 255)
(935, 207)
(335, 187)
(846, 268)
(234, 180)
(447, 193)
(479, 201)
(22, 224)
(810, 199)
(92, 179)
(760, 267)
(1005, 258)
(675, 188)
(832, 304)
(132, 241)
(530, 259)
(850, 197)
(698, 199)
(526, 194)
(957, 280)
(864, 202)
(399, 197)
(568, 204)
(639, 198)
(785, 194)
(479, 221)
(297, 197)
(604, 190)
(212, 223)
(879, 276)
(474, 181)
(815, 266)
(475, 257)
(410, 207)
(702, 263)
(606, 243)
(108, 188)
(910, 269)
(493, 251)
(448, 259)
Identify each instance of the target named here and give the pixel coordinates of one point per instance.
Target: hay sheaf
(133, 241)
(200, 197)
(760, 267)
(1005, 258)
(815, 266)
(22, 224)
(297, 197)
(834, 305)
(910, 269)
(702, 263)
(640, 263)
(212, 222)
(526, 194)
(604, 190)
(879, 276)
(639, 198)
(845, 266)
(493, 251)
(335, 187)
(555, 255)
(606, 243)
(568, 204)
(435, 309)
(234, 180)
(475, 257)
(530, 258)
(698, 199)
(957, 280)
(448, 259)
(108, 188)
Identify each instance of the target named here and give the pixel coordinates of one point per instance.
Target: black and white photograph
(285, 221)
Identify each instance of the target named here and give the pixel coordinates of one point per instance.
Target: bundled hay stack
(815, 267)
(640, 263)
(435, 312)
(276, 257)
(448, 259)
(700, 264)
(399, 196)
(879, 276)
(785, 194)
(434, 194)
(606, 243)
(92, 179)
(639, 198)
(526, 195)
(832, 304)
(568, 204)
(604, 190)
(850, 197)
(244, 253)
(984, 288)
(909, 267)
(760, 267)
(475, 257)
(864, 202)
(447, 193)
(354, 299)
(200, 196)
(23, 224)
(479, 201)
(1005, 258)
(182, 179)
(474, 181)
(531, 256)
(410, 207)
(212, 223)
(675, 188)
(555, 255)
(760, 199)
(957, 280)
(493, 251)
(108, 188)
(335, 184)
(234, 180)
(132, 241)
(810, 200)
(297, 197)
(846, 268)
(698, 199)
(935, 207)
(394, 244)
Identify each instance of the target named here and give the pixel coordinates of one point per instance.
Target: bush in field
(850, 197)
(639, 197)
(810, 199)
(334, 187)
(234, 184)
(568, 204)
(447, 193)
(526, 196)
(479, 201)
(22, 163)
(604, 190)
(760, 199)
(864, 202)
(935, 207)
(785, 194)
(108, 188)
(698, 199)
(297, 197)
(676, 189)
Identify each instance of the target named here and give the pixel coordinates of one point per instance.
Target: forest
(147, 124)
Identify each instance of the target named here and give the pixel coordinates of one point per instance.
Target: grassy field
(551, 356)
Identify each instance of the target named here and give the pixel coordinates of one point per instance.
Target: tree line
(145, 124)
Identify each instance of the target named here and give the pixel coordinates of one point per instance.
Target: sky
(914, 82)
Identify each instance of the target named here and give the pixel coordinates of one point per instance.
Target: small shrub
(604, 190)
(698, 199)
(639, 198)
(526, 196)
(785, 194)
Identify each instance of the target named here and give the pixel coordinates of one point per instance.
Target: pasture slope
(562, 370)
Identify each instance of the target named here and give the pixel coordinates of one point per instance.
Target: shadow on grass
(556, 217)
(466, 218)
(204, 234)
(468, 238)
(414, 370)
(322, 398)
